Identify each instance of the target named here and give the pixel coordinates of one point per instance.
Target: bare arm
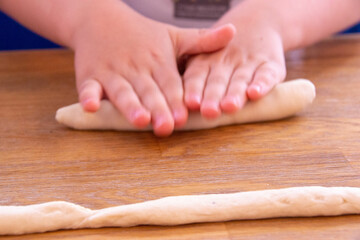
(58, 20)
(300, 23)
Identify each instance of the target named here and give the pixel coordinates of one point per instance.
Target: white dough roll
(286, 202)
(285, 100)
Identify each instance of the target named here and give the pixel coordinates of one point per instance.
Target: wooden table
(41, 160)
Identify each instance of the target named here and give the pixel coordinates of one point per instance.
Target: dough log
(285, 100)
(287, 202)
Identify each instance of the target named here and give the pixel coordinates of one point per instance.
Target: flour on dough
(286, 202)
(285, 100)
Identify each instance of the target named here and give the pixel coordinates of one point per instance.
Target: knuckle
(131, 64)
(169, 87)
(168, 77)
(83, 71)
(172, 92)
(82, 85)
(147, 89)
(195, 74)
(86, 85)
(241, 77)
(175, 98)
(194, 85)
(271, 72)
(157, 57)
(268, 76)
(232, 56)
(217, 80)
(194, 88)
(238, 86)
(120, 92)
(214, 92)
(125, 100)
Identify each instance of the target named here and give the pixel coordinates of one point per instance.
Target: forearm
(299, 23)
(57, 20)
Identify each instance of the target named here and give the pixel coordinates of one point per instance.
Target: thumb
(195, 41)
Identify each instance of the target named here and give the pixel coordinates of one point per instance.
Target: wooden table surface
(41, 160)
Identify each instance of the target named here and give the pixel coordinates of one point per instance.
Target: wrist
(97, 17)
(77, 16)
(263, 17)
(298, 23)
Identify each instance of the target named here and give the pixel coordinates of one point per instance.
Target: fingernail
(159, 122)
(210, 110)
(235, 102)
(213, 105)
(193, 102)
(136, 115)
(257, 89)
(224, 25)
(162, 127)
(140, 118)
(195, 99)
(230, 104)
(180, 117)
(90, 105)
(85, 102)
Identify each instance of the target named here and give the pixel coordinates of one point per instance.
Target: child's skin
(133, 60)
(253, 62)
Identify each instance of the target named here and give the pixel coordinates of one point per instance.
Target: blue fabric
(14, 36)
(354, 29)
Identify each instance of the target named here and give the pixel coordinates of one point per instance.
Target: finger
(194, 41)
(194, 81)
(265, 78)
(90, 94)
(216, 85)
(153, 99)
(170, 83)
(235, 97)
(122, 95)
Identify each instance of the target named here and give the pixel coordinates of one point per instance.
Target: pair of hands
(135, 65)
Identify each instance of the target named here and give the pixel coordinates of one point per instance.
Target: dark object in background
(14, 36)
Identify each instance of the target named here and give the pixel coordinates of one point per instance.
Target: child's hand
(246, 69)
(133, 61)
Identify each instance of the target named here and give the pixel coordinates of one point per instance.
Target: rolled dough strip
(286, 202)
(285, 100)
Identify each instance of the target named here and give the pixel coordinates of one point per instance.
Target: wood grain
(43, 161)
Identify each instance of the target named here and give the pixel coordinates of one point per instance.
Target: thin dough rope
(286, 202)
(285, 100)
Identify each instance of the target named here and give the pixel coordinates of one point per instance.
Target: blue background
(14, 36)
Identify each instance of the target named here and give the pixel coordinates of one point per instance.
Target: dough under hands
(286, 202)
(285, 100)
